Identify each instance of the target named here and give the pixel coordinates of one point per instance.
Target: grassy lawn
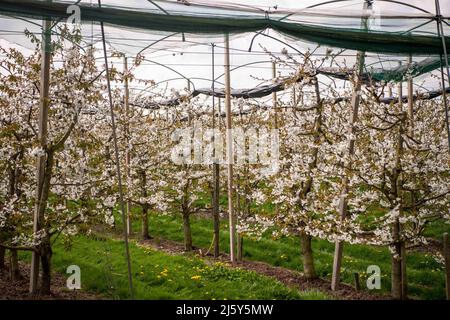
(158, 275)
(425, 275)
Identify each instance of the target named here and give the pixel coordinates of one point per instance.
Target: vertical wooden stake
(357, 281)
(216, 168)
(117, 160)
(338, 250)
(356, 96)
(230, 155)
(275, 110)
(127, 139)
(410, 98)
(42, 137)
(274, 94)
(400, 88)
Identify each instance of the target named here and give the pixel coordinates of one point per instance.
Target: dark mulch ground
(18, 290)
(288, 277)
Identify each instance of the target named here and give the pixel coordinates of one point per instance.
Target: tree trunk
(240, 246)
(308, 258)
(14, 267)
(403, 264)
(46, 258)
(145, 233)
(43, 192)
(215, 209)
(398, 281)
(2, 258)
(187, 232)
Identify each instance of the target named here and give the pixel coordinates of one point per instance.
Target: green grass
(436, 229)
(157, 275)
(425, 275)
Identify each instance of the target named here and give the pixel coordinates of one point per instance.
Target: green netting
(242, 21)
(397, 74)
(402, 72)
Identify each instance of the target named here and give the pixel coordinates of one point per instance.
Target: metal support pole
(230, 155)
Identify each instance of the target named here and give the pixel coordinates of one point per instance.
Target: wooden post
(343, 199)
(42, 137)
(274, 94)
(230, 155)
(410, 98)
(357, 282)
(127, 139)
(444, 63)
(356, 96)
(446, 253)
(117, 160)
(294, 94)
(400, 88)
(216, 169)
(275, 110)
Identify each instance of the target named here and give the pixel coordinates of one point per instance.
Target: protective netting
(265, 90)
(390, 33)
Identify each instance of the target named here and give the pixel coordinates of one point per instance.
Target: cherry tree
(74, 88)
